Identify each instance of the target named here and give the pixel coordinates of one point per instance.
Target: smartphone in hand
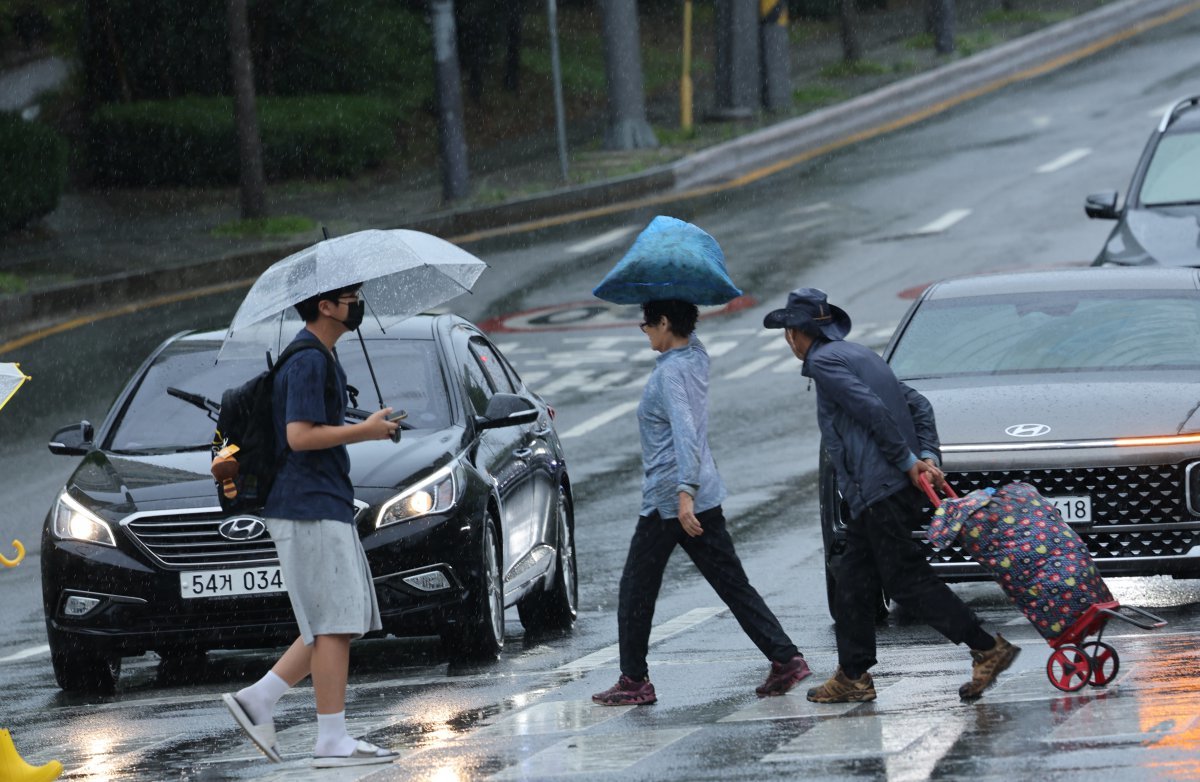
(396, 417)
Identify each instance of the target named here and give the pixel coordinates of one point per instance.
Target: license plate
(1074, 508)
(240, 581)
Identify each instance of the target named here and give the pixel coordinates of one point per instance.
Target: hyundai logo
(242, 528)
(1027, 430)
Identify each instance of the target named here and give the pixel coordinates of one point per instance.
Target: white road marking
(750, 368)
(34, 651)
(789, 364)
(664, 631)
(721, 347)
(567, 381)
(1110, 721)
(1062, 161)
(820, 206)
(552, 717)
(1040, 121)
(589, 755)
(942, 223)
(803, 225)
(608, 237)
(596, 421)
(850, 738)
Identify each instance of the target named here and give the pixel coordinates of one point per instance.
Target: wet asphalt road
(983, 187)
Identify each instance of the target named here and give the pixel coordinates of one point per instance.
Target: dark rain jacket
(872, 426)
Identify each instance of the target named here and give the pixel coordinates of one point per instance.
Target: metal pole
(452, 137)
(556, 70)
(685, 81)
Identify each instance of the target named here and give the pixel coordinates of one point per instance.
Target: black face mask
(354, 317)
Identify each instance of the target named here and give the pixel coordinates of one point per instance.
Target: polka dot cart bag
(1018, 535)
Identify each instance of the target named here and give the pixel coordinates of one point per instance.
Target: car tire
(79, 668)
(557, 608)
(479, 632)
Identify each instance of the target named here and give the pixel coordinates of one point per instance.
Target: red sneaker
(783, 677)
(627, 692)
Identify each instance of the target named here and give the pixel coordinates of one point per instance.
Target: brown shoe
(840, 689)
(987, 666)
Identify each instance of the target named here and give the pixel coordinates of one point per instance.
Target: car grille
(179, 542)
(1126, 495)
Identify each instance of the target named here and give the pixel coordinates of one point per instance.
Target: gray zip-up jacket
(872, 425)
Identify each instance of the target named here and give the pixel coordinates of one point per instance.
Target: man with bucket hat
(880, 436)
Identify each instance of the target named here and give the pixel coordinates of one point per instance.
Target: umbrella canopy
(11, 378)
(402, 273)
(670, 259)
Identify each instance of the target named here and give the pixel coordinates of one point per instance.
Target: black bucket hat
(809, 306)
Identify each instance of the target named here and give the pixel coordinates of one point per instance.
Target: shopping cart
(1044, 567)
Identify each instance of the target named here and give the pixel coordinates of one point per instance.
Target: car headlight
(435, 494)
(72, 521)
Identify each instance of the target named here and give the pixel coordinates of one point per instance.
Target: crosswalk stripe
(664, 631)
(588, 756)
(35, 651)
(596, 421)
(749, 369)
(944, 222)
(608, 237)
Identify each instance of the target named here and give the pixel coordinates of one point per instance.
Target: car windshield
(154, 421)
(1069, 331)
(1174, 173)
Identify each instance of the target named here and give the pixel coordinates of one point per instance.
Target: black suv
(1160, 222)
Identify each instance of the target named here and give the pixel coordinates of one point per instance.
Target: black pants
(653, 542)
(880, 553)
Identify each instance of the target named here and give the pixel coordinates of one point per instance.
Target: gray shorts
(327, 577)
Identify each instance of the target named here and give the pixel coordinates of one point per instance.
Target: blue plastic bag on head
(671, 259)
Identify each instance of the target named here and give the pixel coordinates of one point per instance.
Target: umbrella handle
(931, 494)
(20, 555)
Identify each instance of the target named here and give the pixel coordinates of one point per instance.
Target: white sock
(259, 699)
(332, 738)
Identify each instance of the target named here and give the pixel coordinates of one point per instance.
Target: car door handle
(541, 432)
(523, 453)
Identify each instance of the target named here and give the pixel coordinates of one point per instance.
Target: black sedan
(469, 513)
(1160, 221)
(1084, 383)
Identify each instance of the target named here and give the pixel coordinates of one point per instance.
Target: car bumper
(140, 606)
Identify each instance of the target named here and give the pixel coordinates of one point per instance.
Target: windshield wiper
(210, 408)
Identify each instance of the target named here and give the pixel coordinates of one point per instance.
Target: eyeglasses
(643, 326)
(350, 298)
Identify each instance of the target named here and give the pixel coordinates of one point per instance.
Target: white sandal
(263, 735)
(364, 754)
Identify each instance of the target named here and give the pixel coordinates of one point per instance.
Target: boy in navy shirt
(310, 515)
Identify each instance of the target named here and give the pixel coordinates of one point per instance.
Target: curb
(739, 161)
(924, 94)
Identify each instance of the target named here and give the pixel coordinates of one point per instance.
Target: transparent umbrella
(11, 378)
(402, 273)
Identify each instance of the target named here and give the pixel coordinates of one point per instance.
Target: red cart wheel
(1105, 662)
(1069, 668)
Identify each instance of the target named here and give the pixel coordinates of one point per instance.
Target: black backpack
(247, 421)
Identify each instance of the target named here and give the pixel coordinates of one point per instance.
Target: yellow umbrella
(11, 378)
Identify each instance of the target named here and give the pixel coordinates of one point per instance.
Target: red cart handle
(927, 487)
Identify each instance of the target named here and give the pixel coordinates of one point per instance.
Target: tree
(627, 125)
(848, 16)
(940, 15)
(452, 137)
(249, 141)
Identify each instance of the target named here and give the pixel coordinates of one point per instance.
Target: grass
(265, 227)
(847, 70)
(1017, 16)
(818, 95)
(11, 283)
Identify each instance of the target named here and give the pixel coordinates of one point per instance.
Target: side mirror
(1101, 205)
(73, 440)
(507, 410)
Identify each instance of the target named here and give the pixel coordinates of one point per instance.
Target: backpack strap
(308, 344)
